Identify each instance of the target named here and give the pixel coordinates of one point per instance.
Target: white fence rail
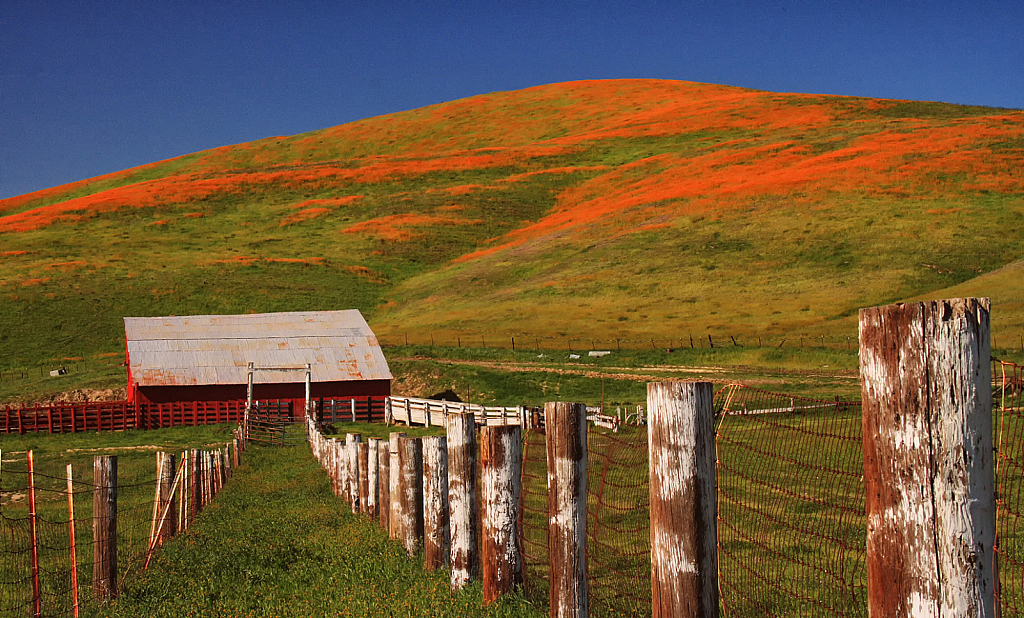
(430, 413)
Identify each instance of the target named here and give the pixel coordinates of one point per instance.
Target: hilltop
(622, 209)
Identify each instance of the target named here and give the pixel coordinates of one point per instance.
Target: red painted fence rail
(124, 415)
(115, 416)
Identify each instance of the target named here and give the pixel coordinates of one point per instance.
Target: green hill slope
(624, 209)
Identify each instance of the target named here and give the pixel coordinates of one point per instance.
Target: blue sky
(88, 88)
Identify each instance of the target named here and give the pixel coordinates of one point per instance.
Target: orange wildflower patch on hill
(366, 273)
(403, 227)
(13, 253)
(68, 266)
(246, 260)
(304, 215)
(669, 184)
(330, 202)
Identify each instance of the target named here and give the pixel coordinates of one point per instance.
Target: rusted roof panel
(212, 349)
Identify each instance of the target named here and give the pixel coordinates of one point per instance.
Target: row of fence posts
(181, 492)
(928, 468)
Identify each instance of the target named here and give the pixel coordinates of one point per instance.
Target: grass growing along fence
(277, 542)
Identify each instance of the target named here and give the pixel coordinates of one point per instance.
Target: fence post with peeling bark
(410, 492)
(104, 572)
(684, 537)
(501, 456)
(351, 489)
(436, 531)
(566, 441)
(463, 512)
(373, 478)
(363, 455)
(166, 502)
(928, 458)
(384, 484)
(394, 492)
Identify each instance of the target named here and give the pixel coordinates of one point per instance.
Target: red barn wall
(296, 392)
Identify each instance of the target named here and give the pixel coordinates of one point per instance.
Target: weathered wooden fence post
(373, 478)
(566, 438)
(928, 459)
(384, 484)
(501, 455)
(927, 397)
(351, 489)
(167, 503)
(410, 492)
(463, 512)
(436, 531)
(394, 491)
(363, 455)
(684, 537)
(104, 505)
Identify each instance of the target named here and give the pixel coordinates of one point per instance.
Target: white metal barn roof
(217, 349)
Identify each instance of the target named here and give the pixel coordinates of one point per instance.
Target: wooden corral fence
(189, 414)
(430, 413)
(116, 416)
(352, 410)
(70, 417)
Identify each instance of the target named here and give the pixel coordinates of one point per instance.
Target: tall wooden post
(410, 492)
(501, 455)
(566, 437)
(363, 455)
(104, 505)
(928, 461)
(384, 484)
(373, 478)
(684, 537)
(167, 503)
(351, 489)
(394, 492)
(436, 531)
(462, 511)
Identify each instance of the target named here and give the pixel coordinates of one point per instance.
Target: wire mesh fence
(1008, 395)
(47, 515)
(791, 515)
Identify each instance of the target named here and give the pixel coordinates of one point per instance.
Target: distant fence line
(659, 342)
(70, 536)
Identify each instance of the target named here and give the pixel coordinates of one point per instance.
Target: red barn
(205, 359)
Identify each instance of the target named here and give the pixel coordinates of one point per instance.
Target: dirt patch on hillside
(78, 396)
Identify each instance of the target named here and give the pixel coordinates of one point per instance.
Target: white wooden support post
(309, 389)
(373, 479)
(501, 457)
(394, 495)
(351, 489)
(463, 511)
(353, 409)
(928, 459)
(684, 537)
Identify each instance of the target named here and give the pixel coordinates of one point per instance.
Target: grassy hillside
(626, 209)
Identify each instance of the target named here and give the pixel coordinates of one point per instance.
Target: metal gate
(273, 422)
